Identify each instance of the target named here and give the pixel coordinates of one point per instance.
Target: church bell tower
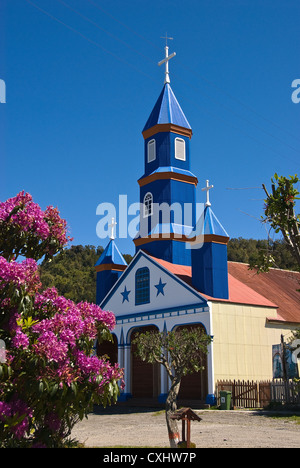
(167, 188)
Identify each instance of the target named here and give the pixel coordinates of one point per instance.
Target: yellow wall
(243, 341)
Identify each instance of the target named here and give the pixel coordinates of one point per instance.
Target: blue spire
(208, 224)
(109, 268)
(167, 111)
(111, 255)
(209, 256)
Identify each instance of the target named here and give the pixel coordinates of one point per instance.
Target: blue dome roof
(208, 223)
(111, 254)
(167, 110)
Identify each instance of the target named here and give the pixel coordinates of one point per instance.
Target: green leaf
(74, 388)
(54, 389)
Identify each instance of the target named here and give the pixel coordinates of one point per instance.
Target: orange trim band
(181, 238)
(168, 176)
(110, 266)
(210, 238)
(166, 236)
(167, 128)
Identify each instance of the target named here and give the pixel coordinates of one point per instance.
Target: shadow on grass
(278, 411)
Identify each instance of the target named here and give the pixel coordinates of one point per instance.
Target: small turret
(209, 254)
(109, 268)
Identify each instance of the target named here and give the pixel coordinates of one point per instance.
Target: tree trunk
(171, 407)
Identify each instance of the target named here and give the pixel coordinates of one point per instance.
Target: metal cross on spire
(112, 226)
(166, 37)
(207, 189)
(167, 58)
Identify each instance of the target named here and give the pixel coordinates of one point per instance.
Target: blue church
(179, 275)
(179, 263)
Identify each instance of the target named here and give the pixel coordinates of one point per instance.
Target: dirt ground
(142, 427)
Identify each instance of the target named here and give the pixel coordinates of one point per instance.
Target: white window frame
(180, 157)
(151, 144)
(148, 205)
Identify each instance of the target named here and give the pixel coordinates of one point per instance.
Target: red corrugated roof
(276, 289)
(279, 286)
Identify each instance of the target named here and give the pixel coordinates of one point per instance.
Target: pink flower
(20, 340)
(22, 213)
(20, 274)
(49, 346)
(88, 364)
(16, 408)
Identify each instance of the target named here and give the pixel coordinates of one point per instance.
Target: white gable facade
(147, 294)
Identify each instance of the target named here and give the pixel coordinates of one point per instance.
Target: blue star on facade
(125, 295)
(160, 287)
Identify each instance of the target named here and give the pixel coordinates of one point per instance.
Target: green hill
(72, 272)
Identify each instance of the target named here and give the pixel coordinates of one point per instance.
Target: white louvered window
(180, 149)
(151, 151)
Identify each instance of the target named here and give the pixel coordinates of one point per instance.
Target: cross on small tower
(166, 59)
(207, 189)
(112, 226)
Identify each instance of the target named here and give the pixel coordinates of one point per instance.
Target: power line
(243, 188)
(140, 71)
(211, 83)
(124, 25)
(214, 85)
(104, 30)
(245, 133)
(91, 41)
(255, 125)
(226, 107)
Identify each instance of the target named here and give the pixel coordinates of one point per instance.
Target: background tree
(280, 215)
(180, 352)
(251, 250)
(72, 270)
(73, 273)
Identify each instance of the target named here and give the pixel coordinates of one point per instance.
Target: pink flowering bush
(50, 377)
(27, 230)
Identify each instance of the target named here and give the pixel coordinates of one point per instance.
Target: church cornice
(164, 236)
(213, 238)
(167, 127)
(110, 266)
(202, 239)
(168, 176)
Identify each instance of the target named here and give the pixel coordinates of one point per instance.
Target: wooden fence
(285, 392)
(252, 394)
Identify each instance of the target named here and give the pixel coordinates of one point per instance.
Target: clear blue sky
(80, 88)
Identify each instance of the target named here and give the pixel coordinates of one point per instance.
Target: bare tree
(180, 352)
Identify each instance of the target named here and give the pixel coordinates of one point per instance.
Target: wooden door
(145, 377)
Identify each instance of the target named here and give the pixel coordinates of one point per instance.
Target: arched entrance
(145, 378)
(110, 349)
(194, 386)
